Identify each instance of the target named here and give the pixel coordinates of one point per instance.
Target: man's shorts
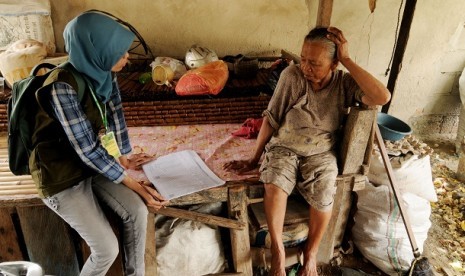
(314, 176)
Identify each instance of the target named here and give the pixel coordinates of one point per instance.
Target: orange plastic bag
(208, 79)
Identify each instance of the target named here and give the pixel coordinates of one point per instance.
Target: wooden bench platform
(30, 231)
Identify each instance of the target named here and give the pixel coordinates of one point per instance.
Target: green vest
(54, 164)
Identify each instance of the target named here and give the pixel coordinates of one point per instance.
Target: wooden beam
(401, 45)
(48, 240)
(325, 8)
(196, 216)
(240, 242)
(9, 243)
(150, 247)
(357, 134)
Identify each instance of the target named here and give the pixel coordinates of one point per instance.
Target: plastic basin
(392, 128)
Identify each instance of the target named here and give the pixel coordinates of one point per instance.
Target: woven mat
(153, 105)
(212, 142)
(133, 90)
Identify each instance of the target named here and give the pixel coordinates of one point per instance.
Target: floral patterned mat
(212, 142)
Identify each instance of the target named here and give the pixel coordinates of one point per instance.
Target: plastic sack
(186, 247)
(411, 172)
(379, 231)
(26, 19)
(208, 79)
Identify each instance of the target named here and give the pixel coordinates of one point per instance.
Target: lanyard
(103, 115)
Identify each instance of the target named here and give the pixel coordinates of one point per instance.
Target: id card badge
(109, 143)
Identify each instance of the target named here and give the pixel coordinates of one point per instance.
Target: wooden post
(461, 167)
(326, 250)
(48, 241)
(340, 215)
(240, 242)
(150, 247)
(325, 8)
(9, 241)
(400, 46)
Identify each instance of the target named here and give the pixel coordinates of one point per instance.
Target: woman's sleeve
(288, 90)
(117, 122)
(352, 90)
(69, 113)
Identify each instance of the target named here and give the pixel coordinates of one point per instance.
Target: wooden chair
(355, 152)
(354, 157)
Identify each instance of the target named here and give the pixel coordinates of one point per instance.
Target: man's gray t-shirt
(306, 121)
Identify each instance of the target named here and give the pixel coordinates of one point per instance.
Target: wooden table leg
(150, 247)
(240, 242)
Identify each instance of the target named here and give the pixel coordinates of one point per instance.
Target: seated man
(299, 132)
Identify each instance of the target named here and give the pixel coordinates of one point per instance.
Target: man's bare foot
(278, 261)
(309, 268)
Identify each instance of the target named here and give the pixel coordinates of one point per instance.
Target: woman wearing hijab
(75, 165)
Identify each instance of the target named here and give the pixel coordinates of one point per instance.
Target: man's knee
(274, 190)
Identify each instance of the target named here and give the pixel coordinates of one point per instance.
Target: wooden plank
(48, 241)
(196, 216)
(369, 150)
(12, 186)
(217, 194)
(9, 174)
(9, 180)
(357, 134)
(325, 9)
(9, 242)
(240, 242)
(20, 200)
(28, 191)
(340, 215)
(343, 211)
(150, 247)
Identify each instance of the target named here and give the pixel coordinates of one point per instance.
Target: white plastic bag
(177, 66)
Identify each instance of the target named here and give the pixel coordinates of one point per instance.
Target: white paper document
(180, 173)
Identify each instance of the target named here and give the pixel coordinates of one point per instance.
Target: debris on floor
(448, 213)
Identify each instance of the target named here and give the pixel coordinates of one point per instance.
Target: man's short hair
(321, 34)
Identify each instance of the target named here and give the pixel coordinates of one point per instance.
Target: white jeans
(79, 207)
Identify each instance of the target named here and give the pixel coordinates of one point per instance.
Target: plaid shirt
(82, 137)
